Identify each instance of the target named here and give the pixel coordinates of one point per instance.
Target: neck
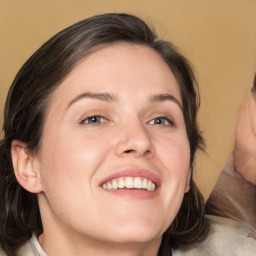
(63, 246)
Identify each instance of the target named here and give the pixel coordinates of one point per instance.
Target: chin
(136, 234)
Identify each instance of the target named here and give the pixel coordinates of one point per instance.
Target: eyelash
(170, 122)
(87, 120)
(97, 119)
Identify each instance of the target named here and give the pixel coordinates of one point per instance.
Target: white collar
(35, 243)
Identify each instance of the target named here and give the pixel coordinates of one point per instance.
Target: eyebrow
(108, 97)
(165, 97)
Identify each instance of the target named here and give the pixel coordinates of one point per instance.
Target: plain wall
(218, 37)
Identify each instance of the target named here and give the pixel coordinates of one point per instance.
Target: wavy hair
(26, 110)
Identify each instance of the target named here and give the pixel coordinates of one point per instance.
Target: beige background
(218, 36)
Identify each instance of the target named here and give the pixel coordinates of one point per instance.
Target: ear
(25, 167)
(187, 188)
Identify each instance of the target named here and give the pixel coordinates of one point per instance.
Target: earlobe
(26, 172)
(187, 188)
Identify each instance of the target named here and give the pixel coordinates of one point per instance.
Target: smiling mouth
(138, 183)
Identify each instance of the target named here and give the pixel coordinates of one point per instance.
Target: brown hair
(26, 109)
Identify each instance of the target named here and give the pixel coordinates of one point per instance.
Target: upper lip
(133, 172)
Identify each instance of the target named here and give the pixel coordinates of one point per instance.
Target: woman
(100, 135)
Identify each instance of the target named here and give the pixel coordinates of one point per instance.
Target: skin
(245, 140)
(135, 130)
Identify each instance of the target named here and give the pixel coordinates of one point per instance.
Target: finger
(254, 83)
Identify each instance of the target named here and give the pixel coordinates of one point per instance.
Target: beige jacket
(226, 238)
(235, 198)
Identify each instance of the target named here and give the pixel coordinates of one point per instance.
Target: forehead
(120, 68)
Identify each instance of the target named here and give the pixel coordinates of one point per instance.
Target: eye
(161, 120)
(95, 119)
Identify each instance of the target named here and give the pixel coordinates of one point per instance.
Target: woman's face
(114, 161)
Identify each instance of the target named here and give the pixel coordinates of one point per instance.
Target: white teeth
(145, 184)
(153, 187)
(120, 183)
(130, 182)
(149, 185)
(114, 185)
(137, 183)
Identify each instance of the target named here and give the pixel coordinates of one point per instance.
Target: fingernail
(254, 83)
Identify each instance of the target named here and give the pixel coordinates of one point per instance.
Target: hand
(245, 138)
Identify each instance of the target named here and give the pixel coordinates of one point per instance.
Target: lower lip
(137, 194)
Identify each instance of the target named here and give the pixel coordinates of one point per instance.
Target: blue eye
(93, 120)
(161, 120)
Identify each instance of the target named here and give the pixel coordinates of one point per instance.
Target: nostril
(128, 151)
(148, 153)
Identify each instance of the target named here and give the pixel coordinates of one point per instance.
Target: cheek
(67, 174)
(175, 155)
(71, 162)
(74, 150)
(175, 152)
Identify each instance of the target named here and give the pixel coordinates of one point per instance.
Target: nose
(134, 140)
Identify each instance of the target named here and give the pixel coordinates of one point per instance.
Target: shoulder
(226, 237)
(31, 248)
(28, 249)
(2, 253)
